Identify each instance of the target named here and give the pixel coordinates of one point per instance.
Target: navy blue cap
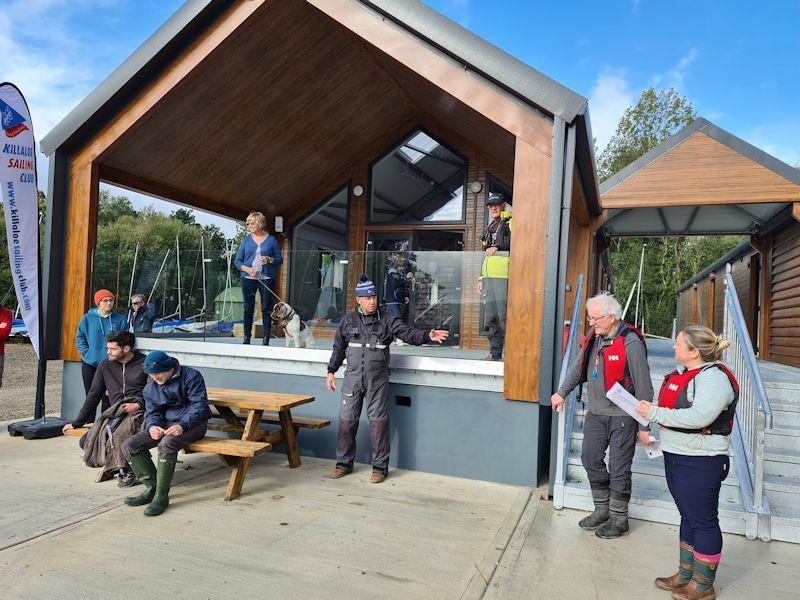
(496, 198)
(157, 362)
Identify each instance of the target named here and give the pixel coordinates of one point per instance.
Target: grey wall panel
(463, 433)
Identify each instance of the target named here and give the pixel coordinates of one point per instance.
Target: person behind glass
(493, 282)
(396, 293)
(140, 315)
(94, 327)
(258, 257)
(614, 352)
(696, 407)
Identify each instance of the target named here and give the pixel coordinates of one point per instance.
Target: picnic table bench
(246, 412)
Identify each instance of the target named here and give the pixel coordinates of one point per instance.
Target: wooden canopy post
(526, 273)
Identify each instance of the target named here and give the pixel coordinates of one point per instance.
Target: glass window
(318, 267)
(419, 181)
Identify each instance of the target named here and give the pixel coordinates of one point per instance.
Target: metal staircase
(761, 496)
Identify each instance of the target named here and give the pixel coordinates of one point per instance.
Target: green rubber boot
(166, 469)
(145, 471)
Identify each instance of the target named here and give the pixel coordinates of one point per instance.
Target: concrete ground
(294, 533)
(18, 394)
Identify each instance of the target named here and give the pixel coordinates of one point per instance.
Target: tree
(669, 261)
(112, 208)
(656, 116)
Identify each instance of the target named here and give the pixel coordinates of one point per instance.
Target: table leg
(237, 478)
(290, 438)
(230, 417)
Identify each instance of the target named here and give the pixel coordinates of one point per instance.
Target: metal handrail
(753, 412)
(567, 414)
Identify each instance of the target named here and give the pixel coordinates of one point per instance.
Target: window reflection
(319, 262)
(419, 181)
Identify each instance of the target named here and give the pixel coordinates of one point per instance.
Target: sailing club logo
(13, 123)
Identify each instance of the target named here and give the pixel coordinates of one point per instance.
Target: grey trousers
(168, 446)
(377, 398)
(618, 434)
(495, 293)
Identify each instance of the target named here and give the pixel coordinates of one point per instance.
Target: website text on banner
(20, 200)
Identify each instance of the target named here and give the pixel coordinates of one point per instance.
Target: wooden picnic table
(254, 405)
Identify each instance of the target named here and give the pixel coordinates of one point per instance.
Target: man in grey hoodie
(614, 352)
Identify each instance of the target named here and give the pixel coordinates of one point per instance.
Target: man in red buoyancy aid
(614, 352)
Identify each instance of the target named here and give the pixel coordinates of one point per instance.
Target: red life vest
(615, 358)
(674, 395)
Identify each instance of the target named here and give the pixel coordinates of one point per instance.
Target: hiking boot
(377, 477)
(246, 341)
(104, 475)
(166, 469)
(145, 471)
(339, 472)
(265, 341)
(494, 358)
(594, 520)
(671, 583)
(613, 528)
(127, 478)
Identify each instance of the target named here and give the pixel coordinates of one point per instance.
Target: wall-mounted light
(476, 186)
(278, 224)
(358, 191)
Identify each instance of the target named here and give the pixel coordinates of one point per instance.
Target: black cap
(497, 198)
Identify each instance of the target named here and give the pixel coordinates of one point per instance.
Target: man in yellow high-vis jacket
(493, 282)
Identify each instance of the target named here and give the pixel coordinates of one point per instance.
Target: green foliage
(669, 261)
(656, 116)
(121, 229)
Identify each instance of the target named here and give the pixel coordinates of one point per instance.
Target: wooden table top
(250, 400)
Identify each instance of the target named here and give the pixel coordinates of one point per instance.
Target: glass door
(429, 264)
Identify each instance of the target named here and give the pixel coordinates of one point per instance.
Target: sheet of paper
(654, 449)
(622, 398)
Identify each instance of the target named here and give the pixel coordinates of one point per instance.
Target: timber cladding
(784, 309)
(701, 170)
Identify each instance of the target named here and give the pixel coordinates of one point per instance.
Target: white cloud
(676, 76)
(609, 98)
(46, 60)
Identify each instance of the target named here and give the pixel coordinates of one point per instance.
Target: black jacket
(381, 327)
(120, 381)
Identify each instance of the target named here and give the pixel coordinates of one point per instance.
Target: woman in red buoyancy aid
(696, 407)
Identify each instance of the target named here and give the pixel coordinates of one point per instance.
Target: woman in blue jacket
(258, 257)
(94, 327)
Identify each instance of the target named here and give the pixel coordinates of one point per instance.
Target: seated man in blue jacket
(177, 413)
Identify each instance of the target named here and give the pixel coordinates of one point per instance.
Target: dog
(295, 329)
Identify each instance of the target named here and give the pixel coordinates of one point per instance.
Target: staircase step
(646, 472)
(782, 462)
(658, 506)
(785, 414)
(783, 437)
(783, 393)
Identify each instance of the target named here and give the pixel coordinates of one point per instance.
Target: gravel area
(18, 394)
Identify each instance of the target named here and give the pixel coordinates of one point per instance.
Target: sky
(737, 62)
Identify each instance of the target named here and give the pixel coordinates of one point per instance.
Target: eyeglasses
(593, 320)
(136, 303)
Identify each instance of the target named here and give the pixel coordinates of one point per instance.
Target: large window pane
(419, 181)
(319, 262)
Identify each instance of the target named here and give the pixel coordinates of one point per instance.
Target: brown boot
(670, 583)
(690, 592)
(339, 472)
(377, 477)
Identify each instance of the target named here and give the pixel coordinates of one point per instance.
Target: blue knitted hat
(157, 362)
(365, 287)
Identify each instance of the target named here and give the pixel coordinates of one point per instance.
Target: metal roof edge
(123, 74)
